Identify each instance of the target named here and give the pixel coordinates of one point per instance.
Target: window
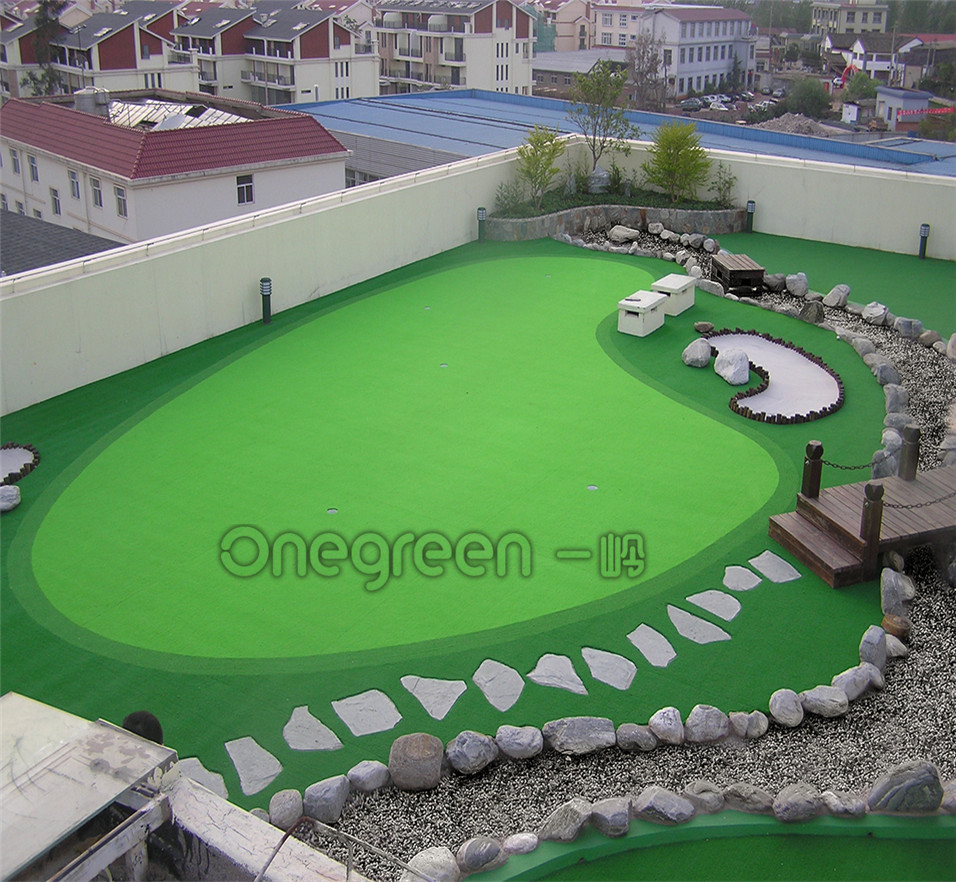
(34, 168)
(38, 214)
(74, 184)
(682, 55)
(707, 56)
(723, 29)
(700, 53)
(21, 208)
(680, 86)
(683, 29)
(607, 19)
(55, 200)
(710, 26)
(3, 202)
(244, 189)
(120, 194)
(622, 39)
(877, 17)
(605, 39)
(723, 52)
(554, 79)
(850, 16)
(15, 159)
(144, 51)
(567, 79)
(668, 58)
(97, 192)
(865, 16)
(623, 20)
(692, 27)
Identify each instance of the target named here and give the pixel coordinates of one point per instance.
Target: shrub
(508, 198)
(723, 185)
(536, 161)
(677, 164)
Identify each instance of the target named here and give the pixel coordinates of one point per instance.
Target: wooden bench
(738, 273)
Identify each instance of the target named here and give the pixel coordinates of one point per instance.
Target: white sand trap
(797, 385)
(12, 459)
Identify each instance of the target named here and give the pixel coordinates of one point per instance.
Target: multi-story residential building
(282, 55)
(570, 21)
(481, 44)
(848, 16)
(17, 54)
(879, 56)
(136, 165)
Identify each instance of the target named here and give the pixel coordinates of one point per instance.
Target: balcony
(206, 75)
(408, 52)
(364, 48)
(258, 78)
(178, 56)
(455, 57)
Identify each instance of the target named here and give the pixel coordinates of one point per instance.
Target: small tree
(595, 98)
(859, 87)
(792, 54)
(677, 164)
(809, 98)
(536, 161)
(47, 21)
(644, 64)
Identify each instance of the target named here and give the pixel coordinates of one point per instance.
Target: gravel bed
(910, 719)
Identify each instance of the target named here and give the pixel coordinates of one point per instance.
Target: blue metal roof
(473, 122)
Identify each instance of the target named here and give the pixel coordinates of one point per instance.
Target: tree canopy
(536, 161)
(678, 164)
(809, 98)
(595, 110)
(858, 87)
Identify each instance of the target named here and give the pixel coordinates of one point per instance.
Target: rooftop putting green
(463, 403)
(113, 597)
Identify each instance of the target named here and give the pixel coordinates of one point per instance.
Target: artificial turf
(113, 598)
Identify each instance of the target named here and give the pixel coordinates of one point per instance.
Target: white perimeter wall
(69, 325)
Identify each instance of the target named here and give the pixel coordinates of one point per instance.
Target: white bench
(679, 290)
(641, 313)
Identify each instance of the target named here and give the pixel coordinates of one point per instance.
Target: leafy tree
(595, 110)
(811, 59)
(536, 161)
(677, 163)
(47, 21)
(938, 128)
(809, 98)
(644, 64)
(858, 87)
(792, 53)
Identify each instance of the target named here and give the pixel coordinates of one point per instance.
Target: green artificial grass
(113, 598)
(730, 846)
(922, 289)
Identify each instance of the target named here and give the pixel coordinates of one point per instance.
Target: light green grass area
(922, 289)
(112, 594)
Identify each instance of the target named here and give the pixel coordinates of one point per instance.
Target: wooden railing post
(909, 454)
(870, 525)
(812, 469)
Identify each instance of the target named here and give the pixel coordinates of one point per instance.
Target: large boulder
(620, 233)
(470, 752)
(368, 775)
(706, 723)
(632, 737)
(786, 708)
(612, 817)
(908, 328)
(873, 646)
(325, 799)
(874, 313)
(667, 726)
(797, 802)
(415, 761)
(706, 796)
(812, 312)
(711, 287)
(825, 701)
(843, 805)
(662, 806)
(733, 365)
(897, 398)
(910, 788)
(857, 680)
(838, 296)
(565, 822)
(776, 282)
(697, 353)
(746, 797)
(797, 284)
(479, 854)
(285, 808)
(579, 735)
(896, 591)
(9, 497)
(521, 843)
(519, 742)
(436, 863)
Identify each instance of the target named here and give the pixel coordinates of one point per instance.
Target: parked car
(747, 96)
(723, 99)
(779, 93)
(838, 82)
(691, 104)
(718, 105)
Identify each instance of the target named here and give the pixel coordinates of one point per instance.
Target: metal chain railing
(847, 468)
(919, 504)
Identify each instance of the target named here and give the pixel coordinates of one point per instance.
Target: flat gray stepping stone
(500, 684)
(257, 767)
(695, 629)
(305, 732)
(774, 567)
(558, 672)
(367, 713)
(436, 696)
(609, 667)
(192, 768)
(654, 646)
(719, 603)
(740, 578)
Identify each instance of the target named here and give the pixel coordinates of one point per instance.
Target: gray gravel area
(911, 718)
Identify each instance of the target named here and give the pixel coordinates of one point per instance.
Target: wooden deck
(825, 532)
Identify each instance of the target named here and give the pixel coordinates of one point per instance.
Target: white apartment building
(571, 21)
(701, 44)
(848, 17)
(478, 44)
(138, 165)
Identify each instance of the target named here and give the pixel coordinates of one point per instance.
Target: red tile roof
(135, 154)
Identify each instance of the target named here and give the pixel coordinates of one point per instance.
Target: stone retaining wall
(575, 221)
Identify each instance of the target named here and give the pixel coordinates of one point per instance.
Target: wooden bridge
(840, 532)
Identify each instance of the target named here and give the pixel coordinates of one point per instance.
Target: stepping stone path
(557, 671)
(305, 732)
(367, 712)
(373, 711)
(436, 696)
(257, 768)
